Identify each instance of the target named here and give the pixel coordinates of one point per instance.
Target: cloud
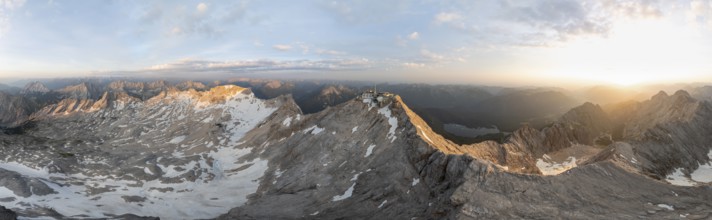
(403, 41)
(447, 17)
(413, 65)
(151, 15)
(700, 12)
(431, 56)
(634, 8)
(7, 8)
(282, 47)
(544, 23)
(365, 11)
(528, 23)
(204, 19)
(236, 13)
(201, 8)
(256, 66)
(414, 36)
(11, 4)
(330, 52)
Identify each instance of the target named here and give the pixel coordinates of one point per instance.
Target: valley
(133, 152)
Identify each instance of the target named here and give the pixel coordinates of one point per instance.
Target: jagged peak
(682, 92)
(224, 91)
(274, 84)
(82, 90)
(588, 106)
(186, 85)
(214, 95)
(679, 97)
(684, 96)
(585, 113)
(35, 87)
(660, 95)
(329, 90)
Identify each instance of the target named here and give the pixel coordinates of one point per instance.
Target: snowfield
(199, 179)
(549, 167)
(703, 174)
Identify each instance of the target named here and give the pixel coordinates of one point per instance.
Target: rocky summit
(139, 150)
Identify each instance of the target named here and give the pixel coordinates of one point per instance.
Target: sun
(625, 80)
(634, 52)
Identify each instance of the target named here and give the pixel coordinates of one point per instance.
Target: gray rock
(6, 214)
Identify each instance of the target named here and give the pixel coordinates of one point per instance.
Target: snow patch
(346, 194)
(678, 178)
(393, 121)
(313, 130)
(369, 151)
(415, 181)
(703, 174)
(423, 133)
(704, 171)
(666, 206)
(383, 203)
(177, 140)
(287, 121)
(549, 167)
(353, 130)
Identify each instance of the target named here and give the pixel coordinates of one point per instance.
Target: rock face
(224, 153)
(81, 91)
(669, 132)
(6, 214)
(328, 96)
(14, 110)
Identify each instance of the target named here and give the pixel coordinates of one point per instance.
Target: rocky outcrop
(6, 214)
(582, 125)
(327, 96)
(662, 109)
(14, 110)
(669, 132)
(109, 99)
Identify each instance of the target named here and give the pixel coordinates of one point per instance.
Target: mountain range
(247, 149)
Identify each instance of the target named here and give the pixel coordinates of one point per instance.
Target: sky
(502, 42)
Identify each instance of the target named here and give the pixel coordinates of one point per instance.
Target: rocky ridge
(34, 88)
(230, 152)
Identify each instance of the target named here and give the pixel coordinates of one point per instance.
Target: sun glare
(635, 52)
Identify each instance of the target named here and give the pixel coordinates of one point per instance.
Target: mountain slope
(190, 154)
(156, 153)
(14, 110)
(34, 88)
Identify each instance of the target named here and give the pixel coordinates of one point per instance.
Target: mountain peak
(82, 90)
(215, 95)
(35, 88)
(682, 92)
(660, 95)
(191, 85)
